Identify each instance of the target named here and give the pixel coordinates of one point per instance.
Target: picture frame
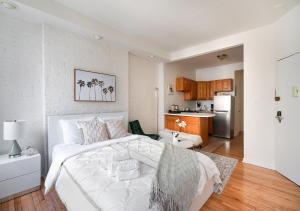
(94, 86)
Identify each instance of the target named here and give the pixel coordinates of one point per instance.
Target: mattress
(74, 198)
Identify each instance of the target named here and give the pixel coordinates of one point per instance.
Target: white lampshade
(13, 130)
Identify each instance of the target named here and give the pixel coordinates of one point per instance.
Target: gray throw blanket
(176, 181)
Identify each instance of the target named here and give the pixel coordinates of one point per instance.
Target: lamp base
(15, 150)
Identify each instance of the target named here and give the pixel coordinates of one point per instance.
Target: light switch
(295, 91)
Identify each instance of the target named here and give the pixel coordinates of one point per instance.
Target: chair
(137, 129)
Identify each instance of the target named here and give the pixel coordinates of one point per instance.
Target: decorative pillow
(71, 133)
(93, 131)
(116, 128)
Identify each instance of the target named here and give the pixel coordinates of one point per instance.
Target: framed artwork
(94, 87)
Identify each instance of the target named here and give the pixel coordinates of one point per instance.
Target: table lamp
(12, 131)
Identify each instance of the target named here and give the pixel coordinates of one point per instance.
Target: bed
(111, 195)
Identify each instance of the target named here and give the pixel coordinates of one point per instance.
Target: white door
(288, 131)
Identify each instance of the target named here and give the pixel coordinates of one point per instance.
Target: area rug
(226, 165)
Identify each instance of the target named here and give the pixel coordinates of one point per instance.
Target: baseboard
(260, 164)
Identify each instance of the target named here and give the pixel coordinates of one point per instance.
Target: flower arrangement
(181, 124)
(175, 134)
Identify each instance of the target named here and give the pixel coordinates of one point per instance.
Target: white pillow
(71, 133)
(116, 127)
(93, 130)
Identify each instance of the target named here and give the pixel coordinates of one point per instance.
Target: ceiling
(177, 24)
(234, 55)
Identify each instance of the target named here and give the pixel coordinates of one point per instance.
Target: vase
(175, 140)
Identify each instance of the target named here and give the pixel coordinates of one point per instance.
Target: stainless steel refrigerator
(224, 119)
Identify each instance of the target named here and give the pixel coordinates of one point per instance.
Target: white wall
(288, 33)
(20, 79)
(65, 51)
(218, 72)
(143, 79)
(36, 76)
(171, 72)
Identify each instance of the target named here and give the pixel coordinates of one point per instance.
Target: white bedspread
(104, 191)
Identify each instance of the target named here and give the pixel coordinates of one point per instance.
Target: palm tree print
(105, 92)
(89, 85)
(95, 83)
(81, 84)
(101, 84)
(111, 90)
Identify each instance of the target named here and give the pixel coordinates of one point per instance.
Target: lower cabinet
(195, 125)
(210, 126)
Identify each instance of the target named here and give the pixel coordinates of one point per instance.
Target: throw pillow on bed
(71, 133)
(93, 131)
(116, 128)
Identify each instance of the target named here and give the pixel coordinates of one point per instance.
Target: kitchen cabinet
(202, 90)
(170, 123)
(218, 85)
(195, 125)
(183, 84)
(210, 126)
(211, 90)
(192, 94)
(205, 90)
(227, 85)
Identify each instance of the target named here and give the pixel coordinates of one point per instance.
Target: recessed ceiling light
(98, 37)
(151, 56)
(8, 5)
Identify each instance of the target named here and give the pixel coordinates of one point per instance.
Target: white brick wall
(27, 93)
(65, 51)
(20, 79)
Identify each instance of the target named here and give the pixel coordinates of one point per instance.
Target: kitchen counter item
(174, 112)
(174, 107)
(192, 114)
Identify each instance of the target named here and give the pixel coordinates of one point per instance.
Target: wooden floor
(249, 188)
(231, 148)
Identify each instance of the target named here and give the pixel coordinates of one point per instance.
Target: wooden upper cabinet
(219, 86)
(227, 85)
(192, 94)
(183, 84)
(202, 90)
(211, 90)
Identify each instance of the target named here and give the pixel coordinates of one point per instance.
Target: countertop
(200, 115)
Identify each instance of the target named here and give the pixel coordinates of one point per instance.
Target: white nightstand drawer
(19, 184)
(15, 167)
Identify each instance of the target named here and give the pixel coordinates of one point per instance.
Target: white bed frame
(55, 133)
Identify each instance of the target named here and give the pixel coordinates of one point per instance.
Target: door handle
(279, 116)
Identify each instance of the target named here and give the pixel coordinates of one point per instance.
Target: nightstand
(19, 175)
